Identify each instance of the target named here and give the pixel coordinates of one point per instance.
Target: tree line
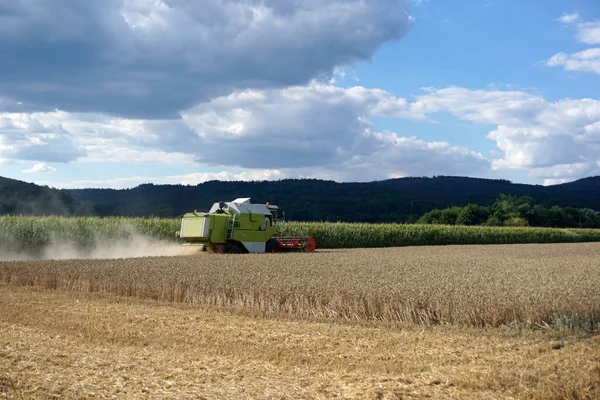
(510, 210)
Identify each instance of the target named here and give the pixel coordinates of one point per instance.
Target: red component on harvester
(289, 243)
(296, 243)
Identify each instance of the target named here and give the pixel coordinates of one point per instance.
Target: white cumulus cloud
(40, 168)
(568, 18)
(302, 131)
(548, 139)
(37, 137)
(64, 137)
(589, 32)
(317, 126)
(586, 60)
(320, 130)
(185, 179)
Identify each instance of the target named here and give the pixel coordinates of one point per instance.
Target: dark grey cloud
(152, 58)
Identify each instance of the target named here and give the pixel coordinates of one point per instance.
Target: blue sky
(119, 93)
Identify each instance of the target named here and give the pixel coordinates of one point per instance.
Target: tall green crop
(32, 234)
(355, 235)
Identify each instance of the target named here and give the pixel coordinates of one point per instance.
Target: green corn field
(24, 234)
(32, 234)
(357, 235)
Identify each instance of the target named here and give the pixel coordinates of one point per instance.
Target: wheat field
(537, 286)
(446, 322)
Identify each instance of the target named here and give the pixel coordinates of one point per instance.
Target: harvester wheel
(311, 244)
(234, 249)
(272, 246)
(217, 248)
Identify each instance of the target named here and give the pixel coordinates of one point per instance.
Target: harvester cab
(239, 226)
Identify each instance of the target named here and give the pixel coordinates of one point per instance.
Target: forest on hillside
(403, 200)
(22, 198)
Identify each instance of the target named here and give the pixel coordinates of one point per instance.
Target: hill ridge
(308, 199)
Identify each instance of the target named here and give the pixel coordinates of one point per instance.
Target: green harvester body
(239, 227)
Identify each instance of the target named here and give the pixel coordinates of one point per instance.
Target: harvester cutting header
(239, 227)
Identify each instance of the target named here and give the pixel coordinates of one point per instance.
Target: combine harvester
(239, 227)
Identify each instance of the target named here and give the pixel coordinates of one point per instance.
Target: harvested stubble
(74, 345)
(523, 285)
